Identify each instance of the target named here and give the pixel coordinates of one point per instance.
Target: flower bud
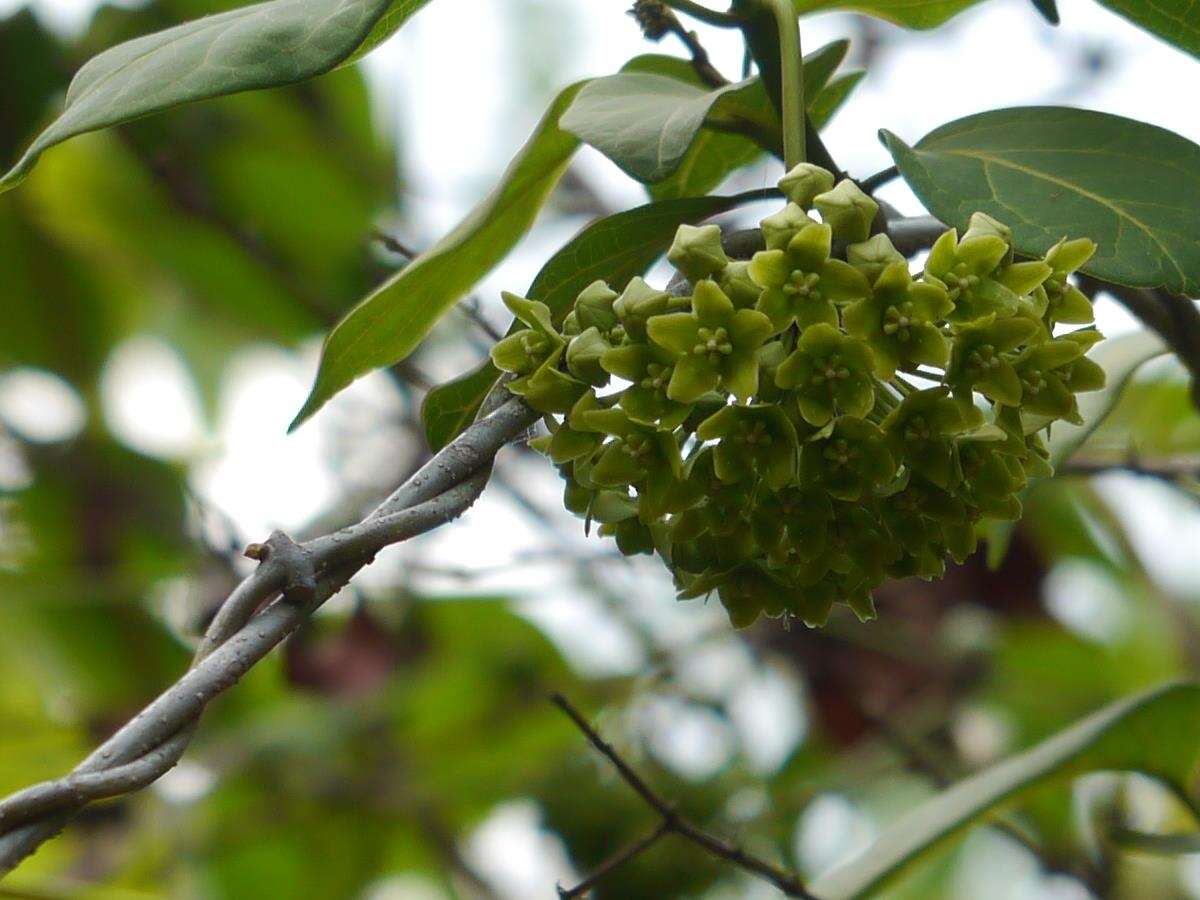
(594, 307)
(779, 229)
(804, 182)
(873, 255)
(737, 284)
(847, 210)
(583, 357)
(697, 251)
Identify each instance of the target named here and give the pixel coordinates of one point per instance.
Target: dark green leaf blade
(261, 46)
(1048, 172)
(387, 326)
(615, 248)
(1174, 21)
(1156, 733)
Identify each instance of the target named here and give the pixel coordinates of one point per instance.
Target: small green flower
(975, 274)
(1065, 302)
(803, 182)
(795, 520)
(802, 284)
(649, 368)
(898, 321)
(697, 251)
(850, 459)
(746, 593)
(873, 255)
(991, 481)
(738, 286)
(637, 304)
(830, 373)
(848, 210)
(594, 309)
(526, 350)
(1043, 389)
(920, 431)
(981, 361)
(641, 456)
(583, 356)
(753, 439)
(714, 344)
(779, 228)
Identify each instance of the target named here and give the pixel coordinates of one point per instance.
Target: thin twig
(614, 862)
(657, 21)
(672, 821)
(872, 183)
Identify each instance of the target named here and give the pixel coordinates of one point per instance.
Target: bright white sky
(458, 97)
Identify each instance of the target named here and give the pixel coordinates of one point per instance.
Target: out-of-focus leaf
(1050, 172)
(260, 46)
(614, 249)
(31, 58)
(389, 324)
(825, 105)
(1120, 357)
(925, 14)
(1156, 733)
(1048, 9)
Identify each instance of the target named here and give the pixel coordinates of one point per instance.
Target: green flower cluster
(806, 423)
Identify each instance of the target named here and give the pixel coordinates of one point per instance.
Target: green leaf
(615, 248)
(822, 107)
(1174, 21)
(1156, 733)
(718, 149)
(643, 122)
(1047, 172)
(1120, 357)
(926, 14)
(1048, 10)
(261, 46)
(390, 323)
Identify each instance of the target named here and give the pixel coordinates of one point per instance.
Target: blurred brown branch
(672, 823)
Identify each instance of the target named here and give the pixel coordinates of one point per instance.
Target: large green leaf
(643, 122)
(389, 324)
(1120, 357)
(1133, 188)
(615, 249)
(255, 47)
(922, 14)
(1175, 21)
(1156, 733)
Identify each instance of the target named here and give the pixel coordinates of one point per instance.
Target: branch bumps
(813, 420)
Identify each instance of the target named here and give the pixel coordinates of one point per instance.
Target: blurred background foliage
(402, 745)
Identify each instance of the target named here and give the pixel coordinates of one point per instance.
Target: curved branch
(292, 580)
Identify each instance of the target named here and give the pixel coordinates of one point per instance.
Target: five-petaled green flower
(1065, 302)
(714, 345)
(830, 373)
(802, 283)
(981, 359)
(976, 274)
(752, 439)
(850, 457)
(897, 320)
(921, 429)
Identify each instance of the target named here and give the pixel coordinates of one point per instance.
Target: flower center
(983, 359)
(657, 377)
(714, 343)
(803, 284)
(830, 369)
(898, 321)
